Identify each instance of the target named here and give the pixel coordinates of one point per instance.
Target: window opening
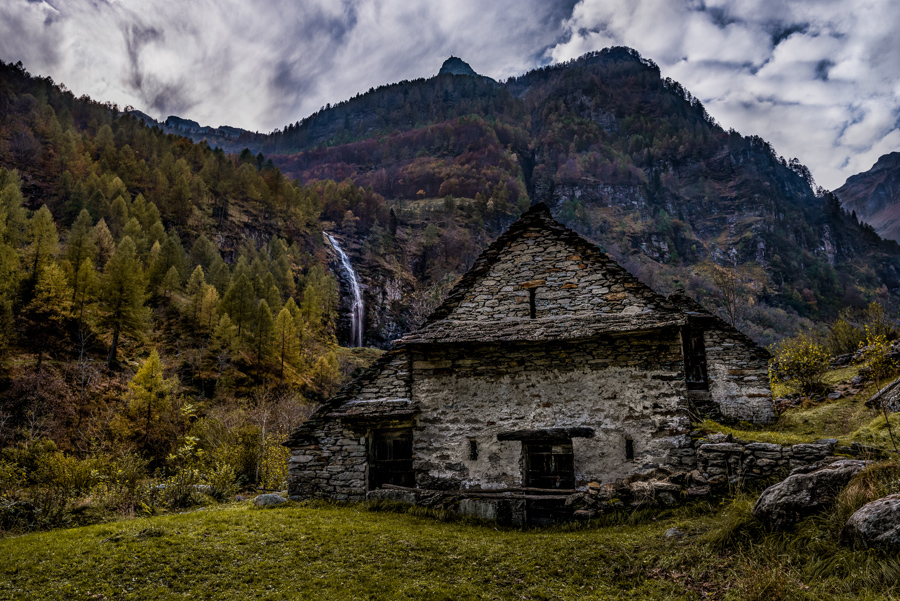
(694, 358)
(532, 306)
(549, 465)
(390, 458)
(473, 449)
(629, 448)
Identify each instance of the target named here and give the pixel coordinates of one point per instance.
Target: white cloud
(817, 78)
(261, 65)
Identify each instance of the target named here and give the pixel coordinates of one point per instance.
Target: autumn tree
(122, 295)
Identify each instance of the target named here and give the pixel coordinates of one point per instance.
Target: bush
(844, 338)
(222, 482)
(799, 361)
(12, 477)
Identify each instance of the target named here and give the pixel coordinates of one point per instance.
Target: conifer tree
(171, 283)
(239, 303)
(123, 295)
(208, 307)
(285, 339)
(117, 217)
(51, 305)
(150, 398)
(263, 330)
(85, 296)
(43, 244)
(104, 242)
(80, 246)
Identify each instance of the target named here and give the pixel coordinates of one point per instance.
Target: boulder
(784, 504)
(888, 396)
(875, 524)
(270, 500)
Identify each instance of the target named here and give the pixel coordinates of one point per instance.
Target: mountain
(230, 139)
(456, 66)
(874, 196)
(623, 156)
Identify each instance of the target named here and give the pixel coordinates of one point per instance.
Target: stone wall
(738, 377)
(563, 283)
(622, 387)
(329, 452)
(748, 460)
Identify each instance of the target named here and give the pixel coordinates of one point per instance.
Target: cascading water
(356, 309)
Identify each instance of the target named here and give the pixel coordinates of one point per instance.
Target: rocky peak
(456, 66)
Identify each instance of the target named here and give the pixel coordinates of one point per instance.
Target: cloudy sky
(819, 79)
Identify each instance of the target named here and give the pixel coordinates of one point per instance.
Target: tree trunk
(111, 358)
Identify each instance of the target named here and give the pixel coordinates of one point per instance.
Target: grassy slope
(345, 552)
(847, 419)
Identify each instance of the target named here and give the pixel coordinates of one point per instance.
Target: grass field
(351, 552)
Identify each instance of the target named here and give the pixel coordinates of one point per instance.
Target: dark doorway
(548, 465)
(694, 358)
(390, 458)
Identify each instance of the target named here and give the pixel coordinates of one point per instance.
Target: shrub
(799, 361)
(222, 482)
(844, 338)
(12, 477)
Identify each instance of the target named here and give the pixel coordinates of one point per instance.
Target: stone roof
(536, 330)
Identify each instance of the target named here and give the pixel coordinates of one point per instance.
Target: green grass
(348, 552)
(846, 419)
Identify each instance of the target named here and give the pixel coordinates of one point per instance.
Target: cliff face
(874, 196)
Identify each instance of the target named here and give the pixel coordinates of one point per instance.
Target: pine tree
(42, 246)
(104, 242)
(50, 307)
(264, 327)
(117, 217)
(239, 303)
(208, 307)
(150, 400)
(286, 339)
(123, 295)
(80, 246)
(86, 294)
(171, 283)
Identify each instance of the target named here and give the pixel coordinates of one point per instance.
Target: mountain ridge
(874, 195)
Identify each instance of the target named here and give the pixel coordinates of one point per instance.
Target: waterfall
(356, 310)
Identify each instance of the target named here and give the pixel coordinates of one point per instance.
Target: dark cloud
(822, 68)
(782, 31)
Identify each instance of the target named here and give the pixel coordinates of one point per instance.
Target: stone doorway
(390, 458)
(548, 465)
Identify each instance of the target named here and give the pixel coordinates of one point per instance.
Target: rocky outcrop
(888, 397)
(874, 196)
(875, 524)
(269, 500)
(456, 66)
(806, 491)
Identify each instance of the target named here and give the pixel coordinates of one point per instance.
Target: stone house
(547, 367)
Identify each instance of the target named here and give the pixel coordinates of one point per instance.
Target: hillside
(874, 196)
(155, 295)
(624, 157)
